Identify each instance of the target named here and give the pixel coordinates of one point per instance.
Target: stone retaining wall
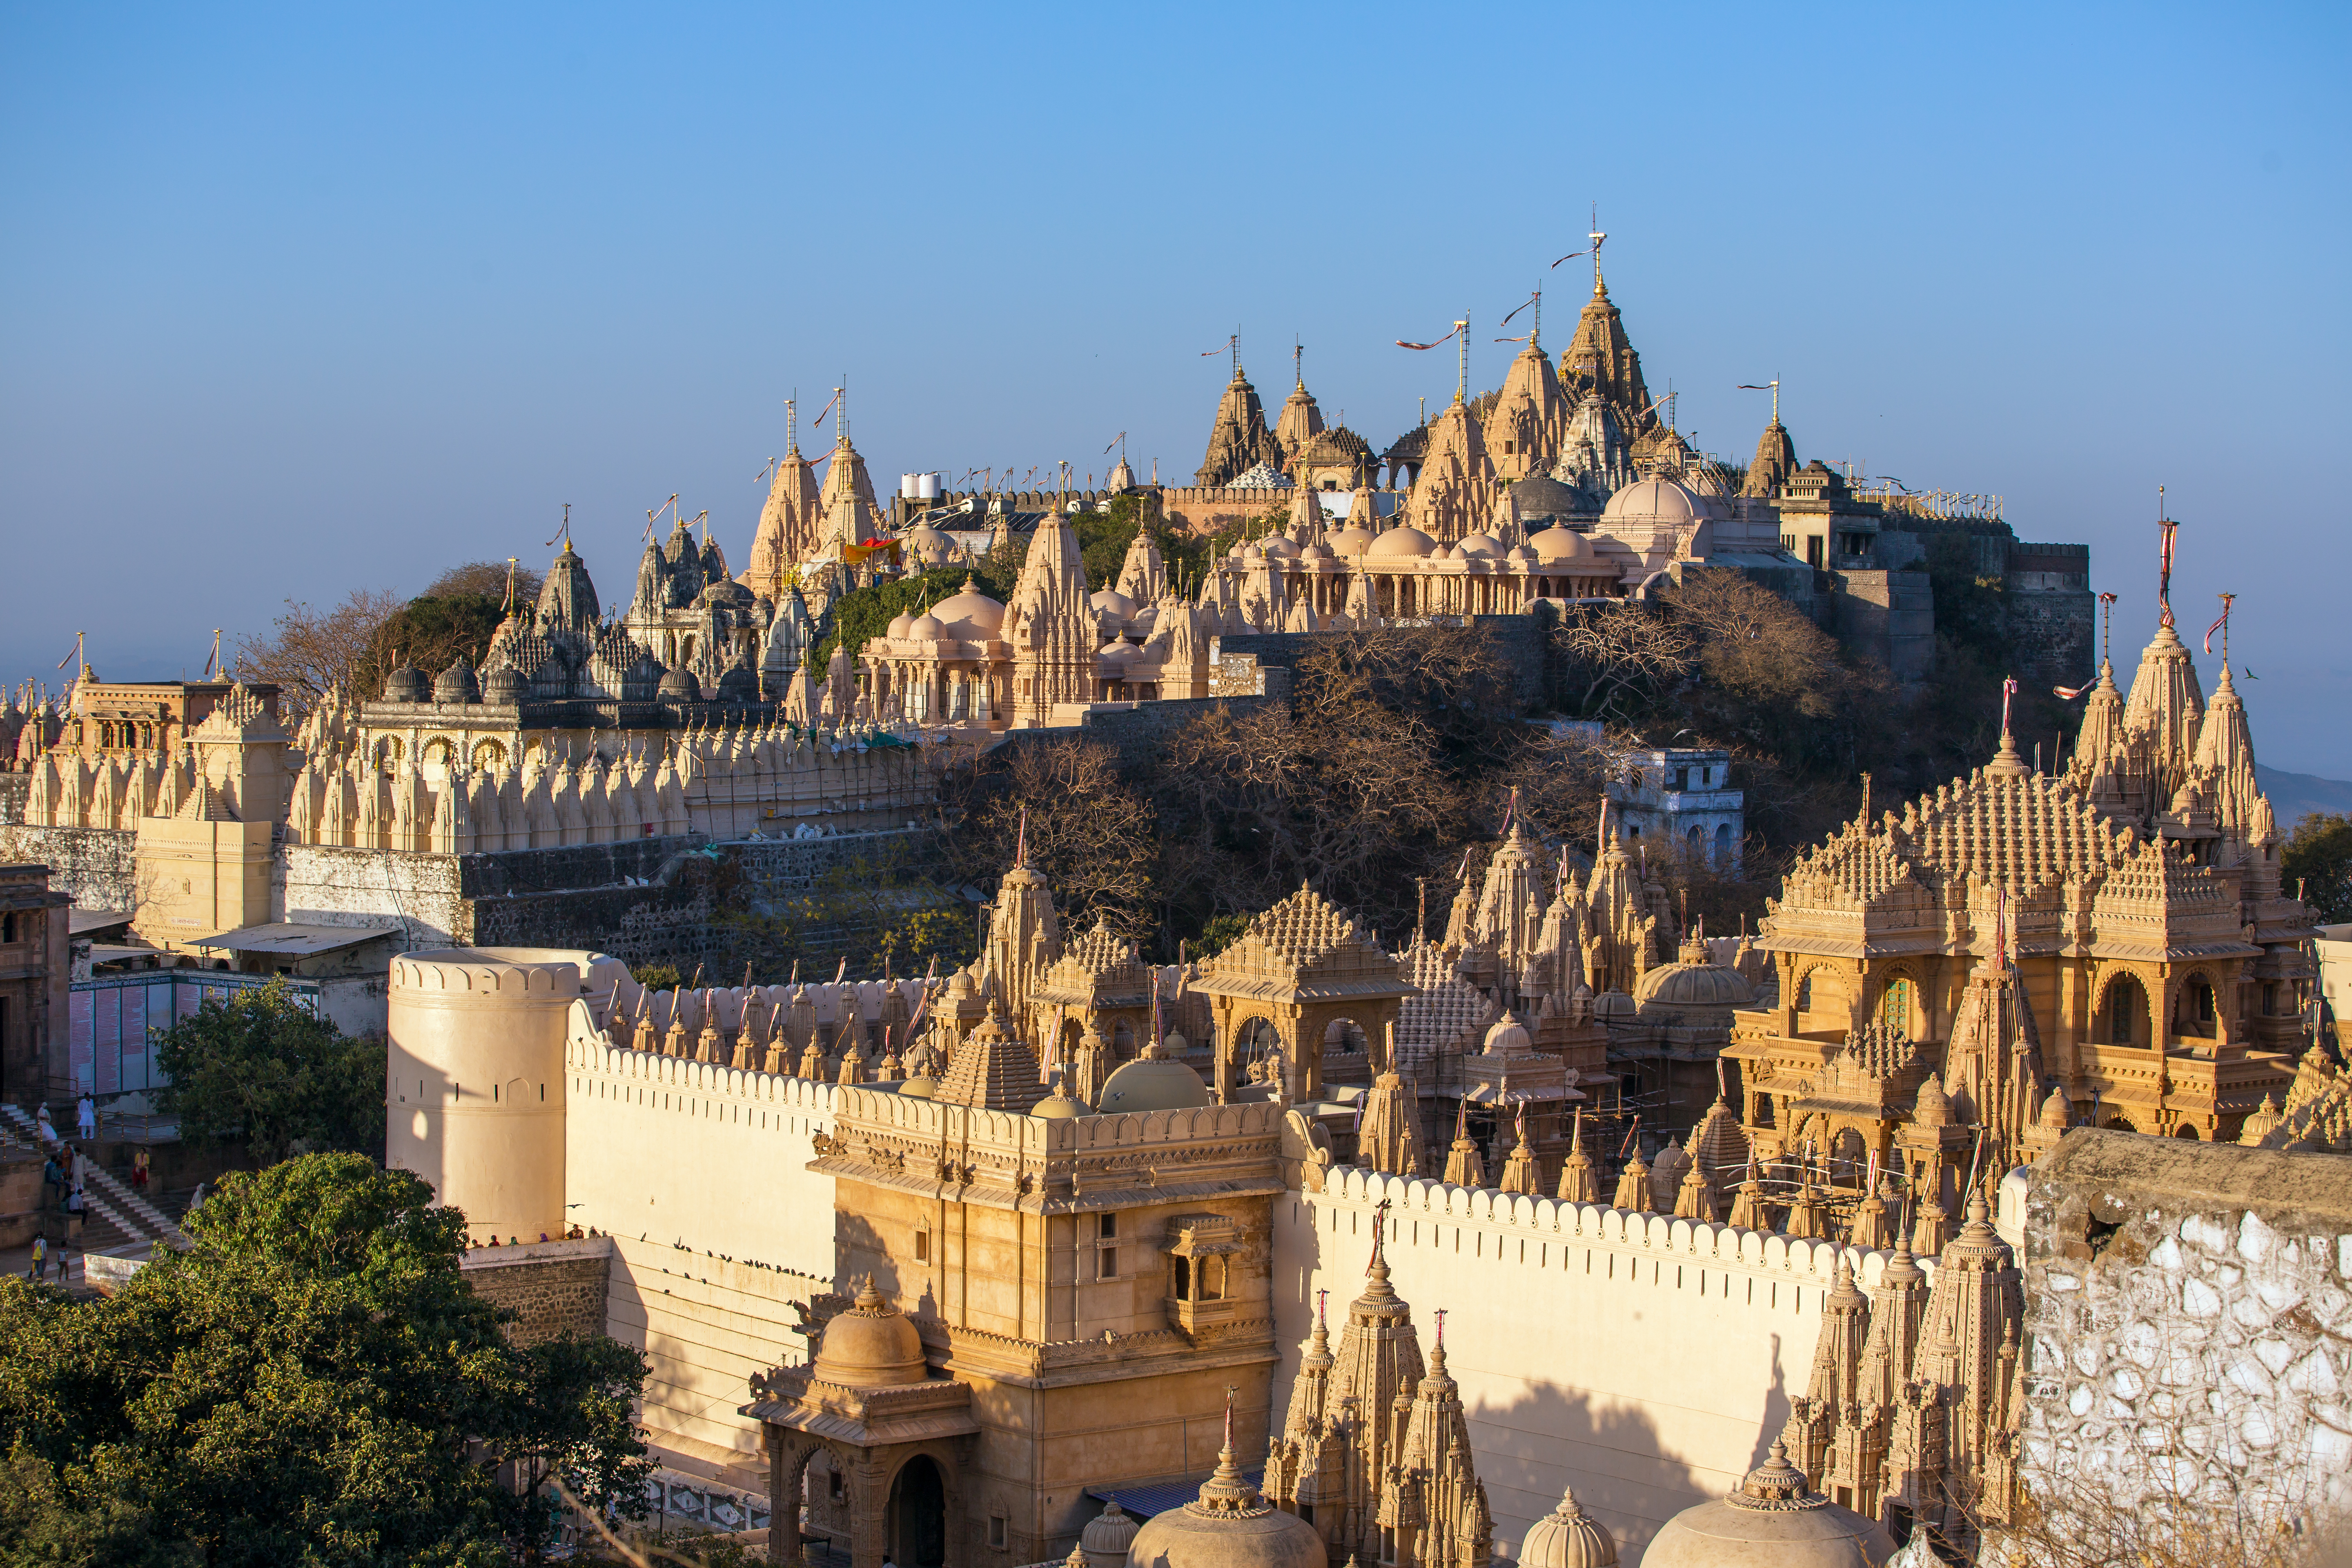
(558, 1288)
(2189, 1314)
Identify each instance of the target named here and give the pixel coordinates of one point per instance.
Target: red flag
(1403, 344)
(2220, 624)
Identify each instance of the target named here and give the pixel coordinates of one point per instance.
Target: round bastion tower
(474, 1081)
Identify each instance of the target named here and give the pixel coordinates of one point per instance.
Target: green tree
(260, 1068)
(313, 1383)
(49, 1520)
(2318, 860)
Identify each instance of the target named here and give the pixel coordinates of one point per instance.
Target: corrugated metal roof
(294, 940)
(1144, 1503)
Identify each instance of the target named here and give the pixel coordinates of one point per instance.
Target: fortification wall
(720, 1232)
(2052, 630)
(1647, 1361)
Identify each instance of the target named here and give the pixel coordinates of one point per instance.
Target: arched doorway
(918, 1515)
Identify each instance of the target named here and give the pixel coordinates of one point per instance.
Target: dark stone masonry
(555, 1287)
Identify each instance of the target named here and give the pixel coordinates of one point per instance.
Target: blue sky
(303, 300)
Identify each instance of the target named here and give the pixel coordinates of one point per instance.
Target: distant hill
(2295, 796)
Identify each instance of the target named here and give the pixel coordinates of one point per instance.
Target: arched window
(2123, 1015)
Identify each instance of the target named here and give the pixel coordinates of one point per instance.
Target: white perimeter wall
(1647, 1361)
(699, 1174)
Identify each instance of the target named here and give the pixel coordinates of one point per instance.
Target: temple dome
(1693, 985)
(1115, 603)
(928, 544)
(1229, 1525)
(1508, 1035)
(1152, 1082)
(928, 627)
(1109, 1534)
(503, 684)
(1773, 1521)
(1351, 540)
(1407, 540)
(1059, 1107)
(407, 684)
(1281, 547)
(901, 625)
(1612, 1004)
(1539, 495)
(679, 685)
(871, 1345)
(1557, 544)
(1483, 545)
(1259, 477)
(1568, 1537)
(456, 683)
(1660, 501)
(971, 616)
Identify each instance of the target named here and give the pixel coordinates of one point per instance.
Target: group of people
(64, 1174)
(574, 1233)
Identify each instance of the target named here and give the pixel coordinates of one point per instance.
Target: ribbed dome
(970, 615)
(1773, 1521)
(1109, 1534)
(407, 684)
(1152, 1082)
(503, 684)
(1933, 1106)
(1227, 1526)
(1568, 1537)
(1059, 1107)
(679, 684)
(1557, 544)
(1693, 985)
(1613, 1004)
(871, 1345)
(1407, 540)
(457, 684)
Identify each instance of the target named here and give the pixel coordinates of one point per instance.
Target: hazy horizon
(307, 302)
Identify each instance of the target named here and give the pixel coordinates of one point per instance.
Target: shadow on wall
(1551, 1438)
(858, 1248)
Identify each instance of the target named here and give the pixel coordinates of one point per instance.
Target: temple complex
(2022, 952)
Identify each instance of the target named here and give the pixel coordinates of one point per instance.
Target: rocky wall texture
(556, 1288)
(96, 865)
(2053, 633)
(2188, 1319)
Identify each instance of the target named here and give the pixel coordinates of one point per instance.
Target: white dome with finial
(1773, 1519)
(1568, 1537)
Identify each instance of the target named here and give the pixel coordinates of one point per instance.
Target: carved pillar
(868, 1507)
(788, 1459)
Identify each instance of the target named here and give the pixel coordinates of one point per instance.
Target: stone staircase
(113, 1204)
